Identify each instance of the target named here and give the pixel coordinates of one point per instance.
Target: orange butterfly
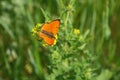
(49, 31)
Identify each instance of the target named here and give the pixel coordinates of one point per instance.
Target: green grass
(91, 55)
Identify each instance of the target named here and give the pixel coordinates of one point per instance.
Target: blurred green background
(91, 55)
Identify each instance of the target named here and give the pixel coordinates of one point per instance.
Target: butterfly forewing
(55, 26)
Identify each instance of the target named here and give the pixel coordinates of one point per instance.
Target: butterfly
(49, 31)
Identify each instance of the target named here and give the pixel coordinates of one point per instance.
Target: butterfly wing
(49, 41)
(54, 25)
(52, 28)
(46, 27)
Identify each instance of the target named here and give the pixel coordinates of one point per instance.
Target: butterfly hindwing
(48, 40)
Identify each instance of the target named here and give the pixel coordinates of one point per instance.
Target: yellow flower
(35, 30)
(56, 37)
(76, 31)
(28, 68)
(44, 44)
(38, 25)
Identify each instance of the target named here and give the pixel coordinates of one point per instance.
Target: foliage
(87, 47)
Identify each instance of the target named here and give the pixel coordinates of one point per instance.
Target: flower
(35, 31)
(38, 25)
(56, 37)
(76, 31)
(28, 68)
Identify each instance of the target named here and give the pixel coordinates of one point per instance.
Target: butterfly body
(50, 35)
(49, 31)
